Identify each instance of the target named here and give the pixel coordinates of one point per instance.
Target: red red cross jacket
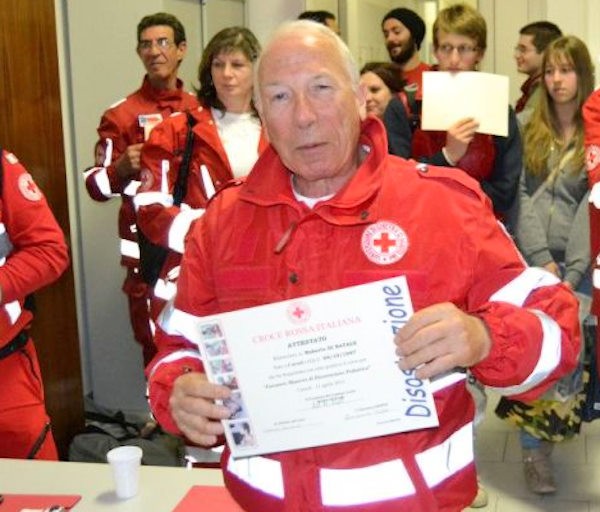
(125, 123)
(33, 252)
(591, 118)
(257, 244)
(162, 222)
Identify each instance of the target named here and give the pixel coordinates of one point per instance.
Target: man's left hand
(439, 338)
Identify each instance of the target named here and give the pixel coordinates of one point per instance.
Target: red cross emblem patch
(592, 157)
(298, 312)
(384, 242)
(28, 188)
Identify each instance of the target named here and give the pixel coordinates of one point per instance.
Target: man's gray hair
(309, 26)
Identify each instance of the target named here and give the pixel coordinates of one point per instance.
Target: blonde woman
(551, 228)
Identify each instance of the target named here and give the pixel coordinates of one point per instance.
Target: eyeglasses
(162, 42)
(463, 49)
(522, 50)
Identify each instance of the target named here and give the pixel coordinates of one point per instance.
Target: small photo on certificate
(228, 380)
(236, 406)
(242, 434)
(211, 331)
(216, 348)
(221, 365)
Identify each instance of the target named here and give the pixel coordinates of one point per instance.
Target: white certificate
(450, 97)
(317, 370)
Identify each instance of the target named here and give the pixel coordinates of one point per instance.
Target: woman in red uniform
(226, 140)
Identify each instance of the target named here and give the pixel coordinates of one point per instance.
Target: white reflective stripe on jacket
(516, 292)
(386, 480)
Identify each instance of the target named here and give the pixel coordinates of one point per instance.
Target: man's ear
(181, 49)
(361, 98)
(480, 56)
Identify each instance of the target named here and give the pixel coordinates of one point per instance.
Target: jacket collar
(161, 95)
(269, 183)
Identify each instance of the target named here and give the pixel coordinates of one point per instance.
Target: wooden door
(31, 127)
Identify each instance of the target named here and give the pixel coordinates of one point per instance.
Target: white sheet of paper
(317, 370)
(449, 97)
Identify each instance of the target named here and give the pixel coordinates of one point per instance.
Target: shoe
(537, 467)
(481, 500)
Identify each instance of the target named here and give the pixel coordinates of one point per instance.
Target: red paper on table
(214, 498)
(16, 502)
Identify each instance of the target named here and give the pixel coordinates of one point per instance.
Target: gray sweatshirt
(550, 219)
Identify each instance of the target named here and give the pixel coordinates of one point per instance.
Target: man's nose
(454, 57)
(305, 111)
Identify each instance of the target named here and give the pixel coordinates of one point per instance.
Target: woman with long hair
(219, 141)
(551, 227)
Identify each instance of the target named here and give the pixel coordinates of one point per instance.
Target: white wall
(265, 15)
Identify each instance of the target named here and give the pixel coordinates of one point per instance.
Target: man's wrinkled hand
(194, 410)
(440, 338)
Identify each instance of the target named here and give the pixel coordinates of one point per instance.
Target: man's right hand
(193, 408)
(129, 162)
(458, 137)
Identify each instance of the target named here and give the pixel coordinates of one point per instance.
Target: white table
(160, 488)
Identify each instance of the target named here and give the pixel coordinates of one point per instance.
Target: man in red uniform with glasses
(123, 129)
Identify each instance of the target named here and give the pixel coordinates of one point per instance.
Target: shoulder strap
(180, 188)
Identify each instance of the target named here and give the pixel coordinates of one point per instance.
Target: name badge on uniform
(148, 122)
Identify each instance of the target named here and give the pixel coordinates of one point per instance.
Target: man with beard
(403, 31)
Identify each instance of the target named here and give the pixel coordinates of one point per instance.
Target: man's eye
(279, 96)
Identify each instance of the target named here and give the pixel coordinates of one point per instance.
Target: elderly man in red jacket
(326, 207)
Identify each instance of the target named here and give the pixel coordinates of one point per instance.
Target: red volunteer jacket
(162, 222)
(591, 119)
(33, 252)
(257, 244)
(128, 122)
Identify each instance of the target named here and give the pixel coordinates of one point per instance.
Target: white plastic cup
(125, 463)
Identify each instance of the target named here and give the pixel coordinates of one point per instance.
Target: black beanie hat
(411, 20)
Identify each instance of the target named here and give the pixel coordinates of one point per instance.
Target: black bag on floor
(103, 433)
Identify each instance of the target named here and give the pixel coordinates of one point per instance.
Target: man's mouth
(310, 146)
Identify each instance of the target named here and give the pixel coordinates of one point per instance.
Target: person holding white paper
(459, 36)
(327, 207)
